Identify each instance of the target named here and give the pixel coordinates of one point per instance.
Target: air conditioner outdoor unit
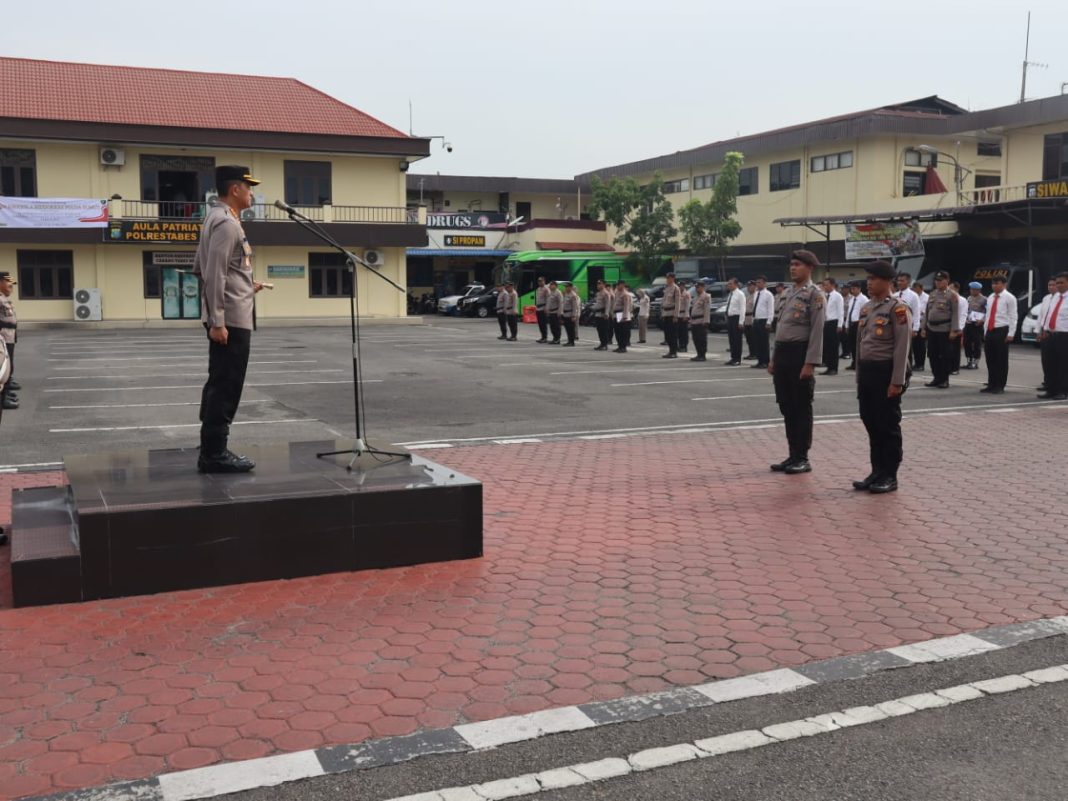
(87, 305)
(258, 209)
(211, 196)
(374, 258)
(112, 156)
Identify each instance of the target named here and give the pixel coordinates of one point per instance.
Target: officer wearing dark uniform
(940, 325)
(224, 263)
(669, 312)
(511, 310)
(798, 349)
(884, 336)
(541, 297)
(9, 324)
(602, 308)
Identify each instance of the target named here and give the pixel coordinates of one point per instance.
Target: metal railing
(180, 210)
(375, 214)
(986, 195)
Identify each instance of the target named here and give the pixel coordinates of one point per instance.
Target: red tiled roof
(63, 91)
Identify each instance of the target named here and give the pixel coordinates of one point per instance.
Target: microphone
(281, 204)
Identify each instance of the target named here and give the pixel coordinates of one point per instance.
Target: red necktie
(993, 312)
(1056, 311)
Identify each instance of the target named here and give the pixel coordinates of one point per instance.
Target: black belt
(12, 326)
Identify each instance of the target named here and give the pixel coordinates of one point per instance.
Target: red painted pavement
(613, 567)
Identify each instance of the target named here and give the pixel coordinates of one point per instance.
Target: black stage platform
(137, 522)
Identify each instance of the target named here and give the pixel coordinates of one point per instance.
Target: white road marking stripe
(1001, 411)
(943, 648)
(429, 446)
(237, 776)
(167, 375)
(185, 356)
(711, 747)
(692, 381)
(201, 386)
(772, 395)
(636, 369)
(244, 401)
(946, 414)
(11, 468)
(202, 364)
(177, 425)
(526, 441)
(493, 733)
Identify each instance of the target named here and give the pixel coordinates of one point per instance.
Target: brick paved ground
(613, 567)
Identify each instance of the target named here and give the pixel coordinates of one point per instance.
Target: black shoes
(937, 385)
(554, 342)
(829, 372)
(601, 347)
(759, 366)
(1047, 396)
(865, 483)
(225, 462)
(779, 467)
(670, 356)
(852, 367)
(883, 485)
(10, 403)
(798, 466)
(993, 390)
(13, 385)
(502, 336)
(511, 339)
(733, 363)
(698, 359)
(543, 340)
(620, 350)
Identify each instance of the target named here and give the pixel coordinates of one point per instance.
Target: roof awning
(920, 215)
(569, 247)
(459, 252)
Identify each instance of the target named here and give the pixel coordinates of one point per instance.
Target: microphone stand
(359, 446)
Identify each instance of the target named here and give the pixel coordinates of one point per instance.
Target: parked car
(1029, 326)
(482, 305)
(450, 303)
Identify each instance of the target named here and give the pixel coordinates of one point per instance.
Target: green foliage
(709, 228)
(642, 215)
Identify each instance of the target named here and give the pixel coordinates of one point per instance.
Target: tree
(709, 228)
(642, 215)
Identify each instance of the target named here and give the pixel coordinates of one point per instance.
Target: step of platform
(45, 557)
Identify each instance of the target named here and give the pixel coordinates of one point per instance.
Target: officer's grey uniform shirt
(977, 308)
(600, 303)
(622, 303)
(511, 306)
(801, 319)
(502, 299)
(541, 297)
(570, 306)
(941, 313)
(750, 304)
(8, 321)
(885, 334)
(224, 263)
(669, 307)
(736, 304)
(701, 309)
(684, 305)
(764, 305)
(554, 301)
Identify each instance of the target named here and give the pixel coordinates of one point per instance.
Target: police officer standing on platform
(940, 325)
(511, 310)
(9, 335)
(798, 349)
(883, 338)
(700, 317)
(224, 263)
(669, 312)
(541, 298)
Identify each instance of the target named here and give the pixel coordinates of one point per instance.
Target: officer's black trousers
(973, 341)
(604, 331)
(830, 345)
(939, 353)
(955, 348)
(1057, 383)
(700, 339)
(996, 350)
(1045, 350)
(222, 392)
(513, 325)
(622, 332)
(734, 337)
(846, 342)
(502, 321)
(761, 345)
(671, 333)
(854, 329)
(554, 326)
(748, 331)
(881, 416)
(11, 371)
(569, 328)
(919, 351)
(794, 396)
(684, 334)
(543, 323)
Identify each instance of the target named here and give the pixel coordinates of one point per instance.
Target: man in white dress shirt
(857, 301)
(904, 281)
(735, 312)
(763, 315)
(1043, 344)
(832, 322)
(919, 344)
(1055, 329)
(999, 329)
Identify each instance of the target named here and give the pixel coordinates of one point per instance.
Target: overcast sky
(557, 87)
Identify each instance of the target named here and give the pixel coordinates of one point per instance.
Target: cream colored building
(147, 141)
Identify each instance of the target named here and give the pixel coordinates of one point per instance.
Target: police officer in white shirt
(763, 315)
(735, 312)
(1055, 330)
(832, 322)
(1043, 343)
(857, 301)
(999, 329)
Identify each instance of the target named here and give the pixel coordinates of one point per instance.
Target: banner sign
(53, 212)
(883, 240)
(285, 270)
(160, 231)
(1042, 189)
(465, 241)
(468, 219)
(173, 258)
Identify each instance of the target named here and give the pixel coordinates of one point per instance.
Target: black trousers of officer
(502, 321)
(830, 345)
(854, 329)
(996, 350)
(222, 392)
(569, 328)
(671, 333)
(919, 351)
(513, 325)
(684, 334)
(845, 342)
(543, 323)
(794, 396)
(11, 372)
(747, 330)
(1045, 350)
(761, 346)
(604, 331)
(554, 326)
(881, 416)
(939, 352)
(1057, 383)
(734, 337)
(700, 339)
(622, 332)
(973, 340)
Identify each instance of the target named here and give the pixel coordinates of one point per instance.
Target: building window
(785, 175)
(328, 276)
(917, 158)
(523, 209)
(989, 149)
(673, 187)
(1055, 157)
(913, 184)
(832, 161)
(46, 274)
(748, 181)
(18, 173)
(705, 181)
(307, 183)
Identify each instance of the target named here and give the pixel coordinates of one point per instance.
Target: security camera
(404, 165)
(448, 147)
